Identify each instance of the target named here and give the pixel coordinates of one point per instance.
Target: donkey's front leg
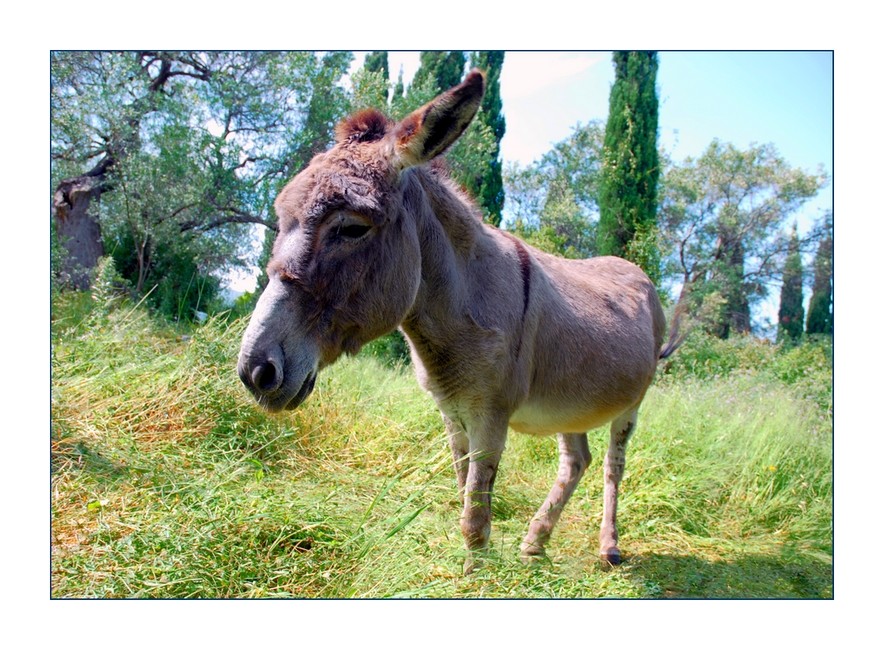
(486, 447)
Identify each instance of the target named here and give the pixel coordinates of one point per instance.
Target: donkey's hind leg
(574, 458)
(615, 462)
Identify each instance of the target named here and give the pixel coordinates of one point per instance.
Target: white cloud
(526, 73)
(545, 94)
(409, 61)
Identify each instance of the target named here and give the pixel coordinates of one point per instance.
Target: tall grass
(167, 481)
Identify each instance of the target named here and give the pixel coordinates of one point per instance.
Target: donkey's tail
(676, 335)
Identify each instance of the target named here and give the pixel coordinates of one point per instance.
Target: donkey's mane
(368, 125)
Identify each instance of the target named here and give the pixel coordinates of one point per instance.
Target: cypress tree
(398, 89)
(631, 169)
(820, 313)
(791, 313)
(445, 68)
(378, 62)
(489, 186)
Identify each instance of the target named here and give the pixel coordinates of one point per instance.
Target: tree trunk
(76, 199)
(77, 227)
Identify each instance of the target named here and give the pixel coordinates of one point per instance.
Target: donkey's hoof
(533, 558)
(471, 564)
(612, 557)
(531, 553)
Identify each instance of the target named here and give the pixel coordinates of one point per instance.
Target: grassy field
(169, 482)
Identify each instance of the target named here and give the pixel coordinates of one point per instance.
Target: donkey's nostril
(266, 377)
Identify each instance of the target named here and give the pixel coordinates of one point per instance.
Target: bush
(703, 355)
(391, 350)
(807, 367)
(108, 287)
(175, 283)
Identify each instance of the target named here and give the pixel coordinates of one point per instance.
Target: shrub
(107, 286)
(391, 350)
(703, 355)
(806, 367)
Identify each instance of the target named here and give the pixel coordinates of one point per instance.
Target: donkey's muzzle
(273, 387)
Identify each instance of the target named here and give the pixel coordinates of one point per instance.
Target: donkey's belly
(546, 419)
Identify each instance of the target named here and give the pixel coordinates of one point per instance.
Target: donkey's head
(346, 264)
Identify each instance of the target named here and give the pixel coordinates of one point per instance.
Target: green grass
(169, 482)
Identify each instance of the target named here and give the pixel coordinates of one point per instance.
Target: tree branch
(236, 217)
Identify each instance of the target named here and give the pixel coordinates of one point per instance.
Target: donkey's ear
(435, 126)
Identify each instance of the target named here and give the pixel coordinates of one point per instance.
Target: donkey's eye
(353, 231)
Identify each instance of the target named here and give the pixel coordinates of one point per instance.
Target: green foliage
(421, 90)
(443, 69)
(398, 90)
(808, 369)
(244, 304)
(706, 357)
(805, 368)
(820, 314)
(181, 296)
(193, 148)
(57, 261)
(378, 62)
(327, 105)
(107, 287)
(391, 350)
(628, 192)
(469, 156)
(554, 201)
(644, 249)
(370, 89)
(791, 313)
(722, 221)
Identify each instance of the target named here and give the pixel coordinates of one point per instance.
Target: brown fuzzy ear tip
(475, 78)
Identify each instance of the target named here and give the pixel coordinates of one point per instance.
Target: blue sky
(739, 97)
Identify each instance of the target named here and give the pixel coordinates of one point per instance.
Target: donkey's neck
(446, 209)
(450, 231)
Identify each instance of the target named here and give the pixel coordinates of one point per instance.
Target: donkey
(373, 235)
